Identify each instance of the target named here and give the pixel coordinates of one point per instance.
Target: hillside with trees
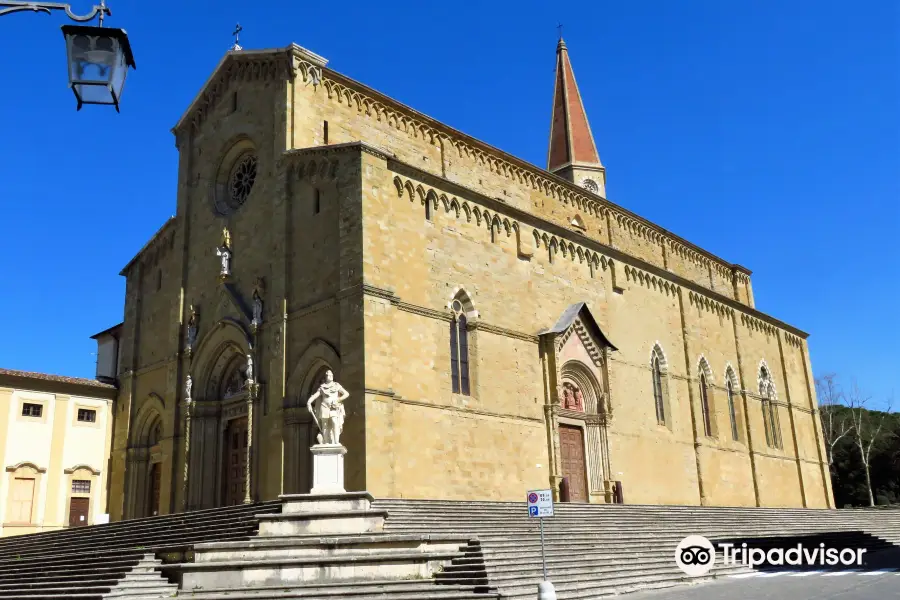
(862, 445)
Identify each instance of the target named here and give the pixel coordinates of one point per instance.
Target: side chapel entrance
(571, 449)
(576, 356)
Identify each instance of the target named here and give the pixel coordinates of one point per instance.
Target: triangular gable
(214, 85)
(578, 320)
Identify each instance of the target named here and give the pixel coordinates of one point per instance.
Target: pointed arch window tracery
(459, 349)
(704, 406)
(769, 408)
(732, 407)
(659, 399)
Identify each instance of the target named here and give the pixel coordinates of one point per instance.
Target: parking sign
(540, 503)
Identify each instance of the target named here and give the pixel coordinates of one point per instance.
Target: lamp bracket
(7, 8)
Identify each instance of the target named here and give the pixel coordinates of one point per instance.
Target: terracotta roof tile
(56, 378)
(571, 140)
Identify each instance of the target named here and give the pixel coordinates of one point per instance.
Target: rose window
(243, 175)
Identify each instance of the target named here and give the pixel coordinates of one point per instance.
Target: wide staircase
(594, 551)
(349, 547)
(116, 560)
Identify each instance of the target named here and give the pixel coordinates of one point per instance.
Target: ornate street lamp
(98, 57)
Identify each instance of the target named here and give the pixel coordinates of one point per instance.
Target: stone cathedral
(499, 326)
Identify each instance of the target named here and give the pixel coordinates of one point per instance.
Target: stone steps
(326, 539)
(115, 560)
(357, 590)
(595, 551)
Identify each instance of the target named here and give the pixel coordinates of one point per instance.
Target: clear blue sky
(765, 131)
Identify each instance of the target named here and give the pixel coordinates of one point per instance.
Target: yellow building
(55, 437)
(499, 326)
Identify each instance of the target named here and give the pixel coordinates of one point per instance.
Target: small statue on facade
(188, 386)
(192, 329)
(257, 309)
(327, 408)
(224, 252)
(249, 371)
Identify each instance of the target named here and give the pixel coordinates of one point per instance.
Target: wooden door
(78, 511)
(571, 446)
(155, 475)
(235, 461)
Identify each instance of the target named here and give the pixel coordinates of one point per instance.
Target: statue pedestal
(328, 468)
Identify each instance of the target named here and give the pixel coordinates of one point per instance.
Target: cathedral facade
(498, 326)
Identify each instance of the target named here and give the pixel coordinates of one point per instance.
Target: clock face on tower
(590, 185)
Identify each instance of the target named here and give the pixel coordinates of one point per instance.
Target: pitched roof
(114, 330)
(568, 317)
(20, 379)
(571, 140)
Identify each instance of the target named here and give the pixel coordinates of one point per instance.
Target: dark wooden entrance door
(571, 446)
(155, 473)
(235, 461)
(78, 511)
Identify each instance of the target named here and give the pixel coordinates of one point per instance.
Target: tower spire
(573, 153)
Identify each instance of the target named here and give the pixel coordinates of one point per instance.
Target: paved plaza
(880, 580)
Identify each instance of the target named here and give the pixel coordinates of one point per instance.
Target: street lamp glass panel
(99, 58)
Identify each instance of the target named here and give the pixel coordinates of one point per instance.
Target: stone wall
(358, 251)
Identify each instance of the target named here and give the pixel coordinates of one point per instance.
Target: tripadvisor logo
(695, 555)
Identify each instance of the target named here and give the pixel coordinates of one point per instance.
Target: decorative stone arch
(731, 376)
(149, 414)
(465, 298)
(16, 512)
(145, 454)
(318, 356)
(299, 430)
(765, 380)
(215, 351)
(703, 367)
(82, 472)
(657, 351)
(586, 382)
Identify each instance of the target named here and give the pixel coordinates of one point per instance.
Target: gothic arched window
(704, 406)
(658, 391)
(732, 412)
(459, 349)
(769, 408)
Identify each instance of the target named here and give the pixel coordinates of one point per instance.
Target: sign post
(540, 505)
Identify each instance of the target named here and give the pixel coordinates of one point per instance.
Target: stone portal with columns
(575, 356)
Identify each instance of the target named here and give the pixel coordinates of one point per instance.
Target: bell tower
(573, 153)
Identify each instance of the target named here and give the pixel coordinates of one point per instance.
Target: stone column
(247, 468)
(185, 481)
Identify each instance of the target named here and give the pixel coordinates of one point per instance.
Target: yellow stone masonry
(366, 220)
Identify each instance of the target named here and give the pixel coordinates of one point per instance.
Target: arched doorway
(234, 432)
(582, 416)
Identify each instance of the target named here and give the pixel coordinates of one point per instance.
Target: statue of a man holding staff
(327, 408)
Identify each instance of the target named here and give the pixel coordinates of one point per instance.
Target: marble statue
(224, 252)
(249, 370)
(327, 408)
(192, 329)
(188, 386)
(257, 309)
